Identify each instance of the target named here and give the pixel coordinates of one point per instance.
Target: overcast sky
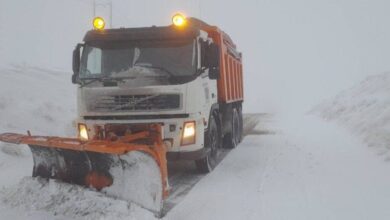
(296, 53)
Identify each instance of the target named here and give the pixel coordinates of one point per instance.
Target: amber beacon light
(179, 20)
(99, 23)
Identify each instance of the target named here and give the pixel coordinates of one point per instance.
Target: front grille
(135, 103)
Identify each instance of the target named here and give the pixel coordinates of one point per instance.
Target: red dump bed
(230, 83)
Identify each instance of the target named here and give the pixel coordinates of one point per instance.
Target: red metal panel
(230, 82)
(240, 79)
(234, 74)
(221, 83)
(227, 79)
(241, 83)
(237, 80)
(231, 79)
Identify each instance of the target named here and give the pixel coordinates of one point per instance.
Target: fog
(296, 53)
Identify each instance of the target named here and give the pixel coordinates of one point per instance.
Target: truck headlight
(189, 133)
(83, 132)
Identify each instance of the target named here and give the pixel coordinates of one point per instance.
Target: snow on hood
(143, 76)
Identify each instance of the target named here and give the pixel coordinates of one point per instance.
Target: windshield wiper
(157, 68)
(100, 79)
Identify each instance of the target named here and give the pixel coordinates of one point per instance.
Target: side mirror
(76, 63)
(213, 60)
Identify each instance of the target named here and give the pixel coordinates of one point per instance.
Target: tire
(212, 144)
(241, 120)
(231, 139)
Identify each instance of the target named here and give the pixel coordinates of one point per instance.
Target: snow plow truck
(144, 96)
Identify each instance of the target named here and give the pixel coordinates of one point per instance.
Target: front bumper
(175, 150)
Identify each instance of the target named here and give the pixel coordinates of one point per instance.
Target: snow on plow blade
(132, 167)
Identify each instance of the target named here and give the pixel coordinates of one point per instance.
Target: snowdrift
(365, 110)
(35, 99)
(67, 200)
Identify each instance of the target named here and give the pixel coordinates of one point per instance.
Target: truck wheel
(241, 120)
(212, 143)
(231, 139)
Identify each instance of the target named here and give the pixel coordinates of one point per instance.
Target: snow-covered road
(308, 169)
(301, 168)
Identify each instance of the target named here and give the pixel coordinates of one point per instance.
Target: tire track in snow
(183, 175)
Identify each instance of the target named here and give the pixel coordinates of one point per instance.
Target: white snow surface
(35, 99)
(295, 168)
(65, 201)
(309, 170)
(364, 110)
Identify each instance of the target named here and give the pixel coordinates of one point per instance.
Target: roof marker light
(98, 23)
(179, 20)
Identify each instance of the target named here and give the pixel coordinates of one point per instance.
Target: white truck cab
(130, 77)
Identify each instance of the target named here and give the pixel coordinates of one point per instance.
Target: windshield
(149, 63)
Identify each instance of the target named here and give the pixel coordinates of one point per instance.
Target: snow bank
(35, 99)
(365, 110)
(68, 200)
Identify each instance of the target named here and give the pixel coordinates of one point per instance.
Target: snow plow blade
(131, 168)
